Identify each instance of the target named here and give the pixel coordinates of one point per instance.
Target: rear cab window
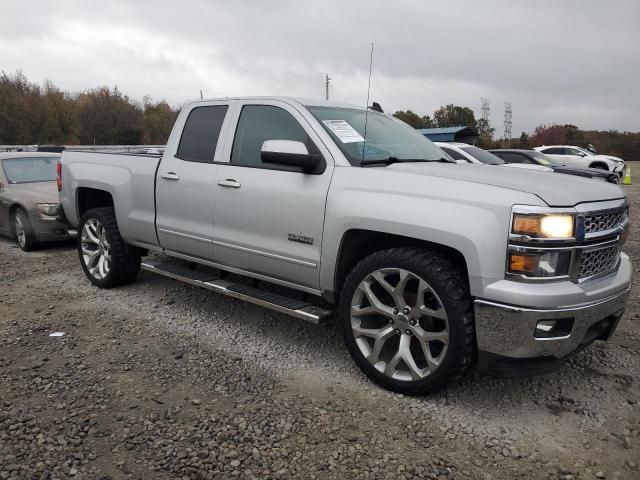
(200, 133)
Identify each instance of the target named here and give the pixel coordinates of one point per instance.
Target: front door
(4, 203)
(184, 184)
(268, 218)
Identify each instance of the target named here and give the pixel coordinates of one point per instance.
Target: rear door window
(511, 157)
(200, 134)
(554, 151)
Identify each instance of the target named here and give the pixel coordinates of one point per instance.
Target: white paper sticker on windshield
(345, 132)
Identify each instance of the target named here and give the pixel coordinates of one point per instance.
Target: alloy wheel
(21, 234)
(96, 251)
(399, 324)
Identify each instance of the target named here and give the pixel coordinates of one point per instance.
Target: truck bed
(129, 178)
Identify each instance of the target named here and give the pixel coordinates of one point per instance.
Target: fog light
(556, 328)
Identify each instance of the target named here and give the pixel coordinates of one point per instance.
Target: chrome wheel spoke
(375, 304)
(380, 340)
(425, 336)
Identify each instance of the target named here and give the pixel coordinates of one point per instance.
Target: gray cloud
(569, 62)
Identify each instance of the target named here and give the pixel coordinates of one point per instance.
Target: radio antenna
(366, 111)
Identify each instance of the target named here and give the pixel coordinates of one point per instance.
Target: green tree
(524, 140)
(454, 116)
(413, 119)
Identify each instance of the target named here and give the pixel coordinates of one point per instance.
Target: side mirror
(582, 154)
(289, 152)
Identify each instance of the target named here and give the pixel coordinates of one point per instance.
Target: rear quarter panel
(130, 179)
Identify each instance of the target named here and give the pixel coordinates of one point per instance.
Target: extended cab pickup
(430, 266)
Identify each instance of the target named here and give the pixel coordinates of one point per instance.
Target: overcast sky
(556, 61)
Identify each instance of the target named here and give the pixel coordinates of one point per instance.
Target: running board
(210, 281)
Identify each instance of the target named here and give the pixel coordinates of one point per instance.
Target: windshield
(386, 137)
(482, 155)
(29, 170)
(545, 160)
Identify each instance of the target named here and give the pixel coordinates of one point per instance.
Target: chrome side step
(210, 281)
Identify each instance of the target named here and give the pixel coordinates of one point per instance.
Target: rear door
(269, 218)
(564, 155)
(185, 179)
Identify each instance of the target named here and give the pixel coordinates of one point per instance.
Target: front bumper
(507, 336)
(50, 229)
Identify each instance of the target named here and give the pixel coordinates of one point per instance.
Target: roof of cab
(306, 102)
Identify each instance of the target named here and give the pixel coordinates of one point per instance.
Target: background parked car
(30, 209)
(532, 157)
(577, 156)
(463, 152)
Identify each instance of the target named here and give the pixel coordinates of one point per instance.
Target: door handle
(229, 183)
(170, 176)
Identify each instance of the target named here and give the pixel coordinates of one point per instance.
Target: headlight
(50, 209)
(541, 265)
(551, 226)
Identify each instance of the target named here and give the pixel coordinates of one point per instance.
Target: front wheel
(23, 231)
(406, 316)
(106, 259)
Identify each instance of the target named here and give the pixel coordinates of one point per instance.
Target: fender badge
(300, 238)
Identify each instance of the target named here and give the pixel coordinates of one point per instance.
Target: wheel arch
(599, 164)
(13, 208)
(356, 244)
(88, 198)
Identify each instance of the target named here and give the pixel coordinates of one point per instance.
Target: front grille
(597, 262)
(602, 222)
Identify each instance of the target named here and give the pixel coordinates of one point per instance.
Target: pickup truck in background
(315, 208)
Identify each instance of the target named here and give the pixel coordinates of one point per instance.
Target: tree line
(34, 114)
(44, 114)
(625, 145)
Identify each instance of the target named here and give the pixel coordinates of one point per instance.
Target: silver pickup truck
(313, 208)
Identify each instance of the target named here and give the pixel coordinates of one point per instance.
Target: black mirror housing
(306, 161)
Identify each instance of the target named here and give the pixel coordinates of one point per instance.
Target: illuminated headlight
(50, 209)
(541, 265)
(548, 226)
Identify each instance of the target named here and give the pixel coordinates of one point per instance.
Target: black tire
(449, 281)
(125, 259)
(27, 241)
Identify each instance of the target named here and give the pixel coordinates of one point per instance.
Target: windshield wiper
(391, 160)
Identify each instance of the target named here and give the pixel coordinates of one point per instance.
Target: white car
(578, 156)
(465, 153)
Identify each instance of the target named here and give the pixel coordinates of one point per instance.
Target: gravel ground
(163, 380)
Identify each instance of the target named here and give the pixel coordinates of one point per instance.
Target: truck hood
(554, 189)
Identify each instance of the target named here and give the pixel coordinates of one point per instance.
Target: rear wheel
(23, 231)
(406, 316)
(106, 259)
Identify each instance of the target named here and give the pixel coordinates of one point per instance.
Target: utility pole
(486, 111)
(326, 86)
(506, 137)
(200, 94)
